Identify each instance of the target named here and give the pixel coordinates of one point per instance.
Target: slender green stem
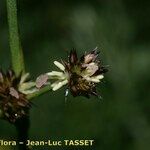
(15, 46)
(40, 92)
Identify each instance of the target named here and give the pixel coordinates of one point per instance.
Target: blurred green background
(121, 29)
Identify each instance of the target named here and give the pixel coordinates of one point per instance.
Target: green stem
(40, 92)
(15, 48)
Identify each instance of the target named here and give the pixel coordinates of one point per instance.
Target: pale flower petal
(59, 65)
(24, 77)
(99, 77)
(55, 73)
(92, 79)
(95, 79)
(54, 84)
(65, 82)
(57, 85)
(26, 85)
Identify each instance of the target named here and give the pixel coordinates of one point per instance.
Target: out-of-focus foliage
(120, 28)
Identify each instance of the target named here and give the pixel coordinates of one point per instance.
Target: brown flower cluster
(81, 75)
(13, 103)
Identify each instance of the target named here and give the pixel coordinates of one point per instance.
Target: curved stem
(40, 92)
(15, 48)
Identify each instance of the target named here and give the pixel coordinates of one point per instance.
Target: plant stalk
(40, 92)
(14, 41)
(22, 125)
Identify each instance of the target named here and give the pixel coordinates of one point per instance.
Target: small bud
(41, 80)
(13, 92)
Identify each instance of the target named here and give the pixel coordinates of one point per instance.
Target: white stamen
(24, 78)
(59, 65)
(65, 82)
(26, 85)
(55, 73)
(91, 64)
(99, 77)
(93, 80)
(56, 86)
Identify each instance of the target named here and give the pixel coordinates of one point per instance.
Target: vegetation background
(121, 29)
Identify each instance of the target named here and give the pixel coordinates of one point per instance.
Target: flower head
(13, 102)
(80, 75)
